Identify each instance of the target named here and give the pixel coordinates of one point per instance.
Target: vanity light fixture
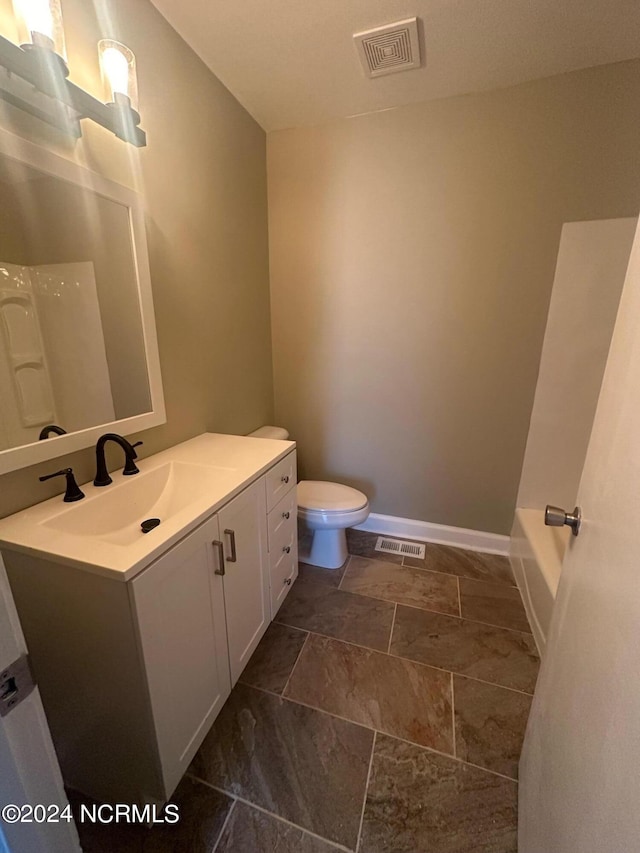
(34, 76)
(40, 25)
(118, 66)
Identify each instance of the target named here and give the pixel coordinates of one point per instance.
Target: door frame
(30, 771)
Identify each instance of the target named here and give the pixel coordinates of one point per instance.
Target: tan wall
(12, 239)
(412, 258)
(203, 179)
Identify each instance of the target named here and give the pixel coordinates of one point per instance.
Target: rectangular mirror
(78, 346)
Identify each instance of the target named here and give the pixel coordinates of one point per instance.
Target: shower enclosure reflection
(73, 348)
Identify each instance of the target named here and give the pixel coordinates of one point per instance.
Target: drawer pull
(220, 549)
(232, 536)
(287, 549)
(285, 479)
(288, 581)
(285, 515)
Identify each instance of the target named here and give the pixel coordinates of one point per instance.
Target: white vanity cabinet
(134, 668)
(201, 610)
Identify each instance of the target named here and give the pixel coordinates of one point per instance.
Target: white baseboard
(439, 534)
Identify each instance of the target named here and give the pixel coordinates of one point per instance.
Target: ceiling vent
(385, 50)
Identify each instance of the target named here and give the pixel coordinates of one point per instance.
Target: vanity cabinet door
(243, 530)
(179, 606)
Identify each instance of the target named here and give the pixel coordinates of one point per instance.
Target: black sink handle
(130, 466)
(73, 491)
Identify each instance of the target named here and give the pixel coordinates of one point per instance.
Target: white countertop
(230, 462)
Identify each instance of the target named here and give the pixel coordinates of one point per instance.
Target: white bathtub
(536, 553)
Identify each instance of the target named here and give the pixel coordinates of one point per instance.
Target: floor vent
(400, 547)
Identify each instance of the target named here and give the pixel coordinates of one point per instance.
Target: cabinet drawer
(282, 516)
(286, 539)
(283, 571)
(280, 479)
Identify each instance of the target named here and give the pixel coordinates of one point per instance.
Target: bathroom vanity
(137, 639)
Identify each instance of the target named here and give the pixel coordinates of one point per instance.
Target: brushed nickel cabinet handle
(217, 544)
(232, 537)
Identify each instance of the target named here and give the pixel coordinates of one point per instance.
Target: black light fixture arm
(35, 79)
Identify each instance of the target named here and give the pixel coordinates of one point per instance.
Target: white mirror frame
(52, 164)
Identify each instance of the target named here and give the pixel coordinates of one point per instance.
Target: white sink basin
(182, 486)
(114, 513)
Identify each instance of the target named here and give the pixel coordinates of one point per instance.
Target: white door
(29, 772)
(580, 768)
(243, 530)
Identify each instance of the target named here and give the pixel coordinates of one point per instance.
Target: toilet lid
(324, 497)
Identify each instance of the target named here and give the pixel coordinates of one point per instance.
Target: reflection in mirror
(72, 344)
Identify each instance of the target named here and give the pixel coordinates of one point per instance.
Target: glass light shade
(118, 65)
(40, 24)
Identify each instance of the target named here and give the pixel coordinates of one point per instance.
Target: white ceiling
(293, 62)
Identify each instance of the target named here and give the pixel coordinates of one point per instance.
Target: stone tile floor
(383, 712)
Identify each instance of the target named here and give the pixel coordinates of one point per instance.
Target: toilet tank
(270, 432)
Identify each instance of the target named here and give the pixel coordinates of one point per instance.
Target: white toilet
(326, 510)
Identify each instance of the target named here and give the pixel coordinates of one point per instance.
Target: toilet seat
(322, 497)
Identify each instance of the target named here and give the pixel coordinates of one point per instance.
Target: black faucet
(102, 475)
(73, 491)
(51, 428)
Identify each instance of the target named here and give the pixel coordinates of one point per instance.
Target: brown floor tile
(392, 695)
(306, 766)
(465, 564)
(253, 831)
(504, 657)
(202, 815)
(490, 725)
(344, 615)
(332, 577)
(422, 802)
(379, 579)
(271, 664)
(494, 604)
(360, 543)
